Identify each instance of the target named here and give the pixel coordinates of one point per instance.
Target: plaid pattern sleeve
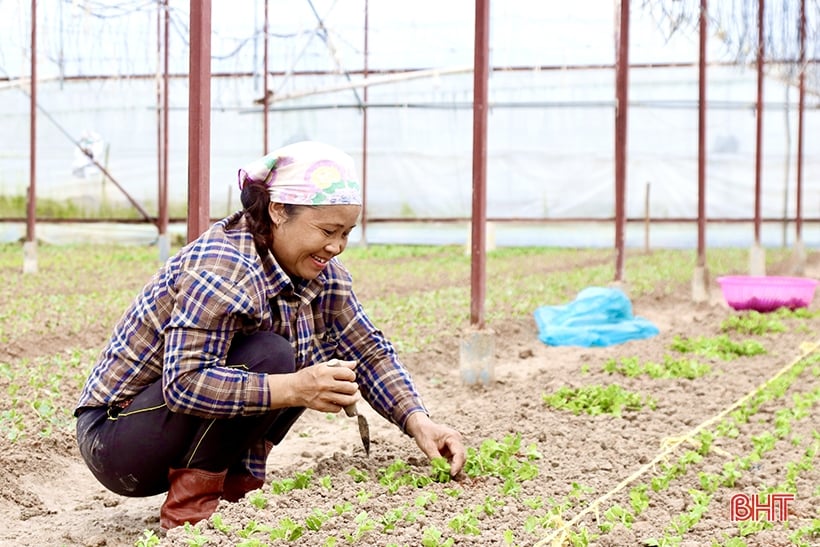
(383, 380)
(180, 325)
(209, 309)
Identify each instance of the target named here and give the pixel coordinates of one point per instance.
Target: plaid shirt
(180, 327)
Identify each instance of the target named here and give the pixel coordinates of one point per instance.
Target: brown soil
(50, 498)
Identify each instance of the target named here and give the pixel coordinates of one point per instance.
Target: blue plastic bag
(598, 317)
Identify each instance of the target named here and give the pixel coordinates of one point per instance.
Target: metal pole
(621, 107)
(364, 125)
(159, 111)
(701, 260)
(199, 118)
(32, 185)
(800, 113)
(478, 270)
(163, 21)
(30, 245)
(759, 120)
(163, 205)
(265, 98)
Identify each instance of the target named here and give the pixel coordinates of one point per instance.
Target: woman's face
(306, 240)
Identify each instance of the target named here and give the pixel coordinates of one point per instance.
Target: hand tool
(350, 411)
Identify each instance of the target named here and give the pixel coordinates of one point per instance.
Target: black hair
(255, 201)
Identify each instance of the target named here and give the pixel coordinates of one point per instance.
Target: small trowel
(350, 411)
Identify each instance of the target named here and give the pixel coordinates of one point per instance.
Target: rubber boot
(237, 484)
(192, 496)
(239, 481)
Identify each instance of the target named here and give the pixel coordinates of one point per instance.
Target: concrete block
(477, 357)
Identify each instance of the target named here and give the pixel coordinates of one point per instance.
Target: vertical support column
(477, 350)
(621, 109)
(700, 278)
(163, 241)
(364, 125)
(757, 255)
(265, 88)
(479, 204)
(199, 119)
(799, 253)
(30, 245)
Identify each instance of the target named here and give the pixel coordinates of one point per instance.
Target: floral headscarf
(306, 173)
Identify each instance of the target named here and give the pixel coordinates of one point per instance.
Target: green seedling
(534, 503)
(364, 524)
(490, 505)
(363, 495)
(316, 519)
(424, 499)
(148, 539)
(733, 542)
(718, 347)
(219, 524)
(616, 515)
(706, 438)
(810, 533)
(389, 520)
(578, 490)
(251, 528)
(465, 522)
(639, 499)
(596, 399)
(440, 470)
(342, 508)
(358, 476)
(300, 481)
(751, 527)
(753, 323)
(432, 537)
(669, 368)
(667, 540)
(709, 482)
(258, 499)
(195, 537)
(288, 529)
(581, 538)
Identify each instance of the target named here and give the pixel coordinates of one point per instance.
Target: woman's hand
(320, 387)
(437, 440)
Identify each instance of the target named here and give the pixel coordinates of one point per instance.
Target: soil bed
(51, 499)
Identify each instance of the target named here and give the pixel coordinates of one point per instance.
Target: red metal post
(163, 19)
(199, 119)
(701, 260)
(621, 108)
(478, 267)
(800, 113)
(163, 214)
(159, 108)
(364, 125)
(31, 206)
(759, 134)
(265, 98)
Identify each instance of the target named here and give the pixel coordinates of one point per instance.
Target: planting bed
(698, 421)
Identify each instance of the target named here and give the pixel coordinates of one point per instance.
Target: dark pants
(130, 451)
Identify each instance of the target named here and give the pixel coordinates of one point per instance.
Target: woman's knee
(262, 351)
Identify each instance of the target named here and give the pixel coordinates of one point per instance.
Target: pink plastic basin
(766, 293)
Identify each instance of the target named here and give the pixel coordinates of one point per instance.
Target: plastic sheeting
(598, 317)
